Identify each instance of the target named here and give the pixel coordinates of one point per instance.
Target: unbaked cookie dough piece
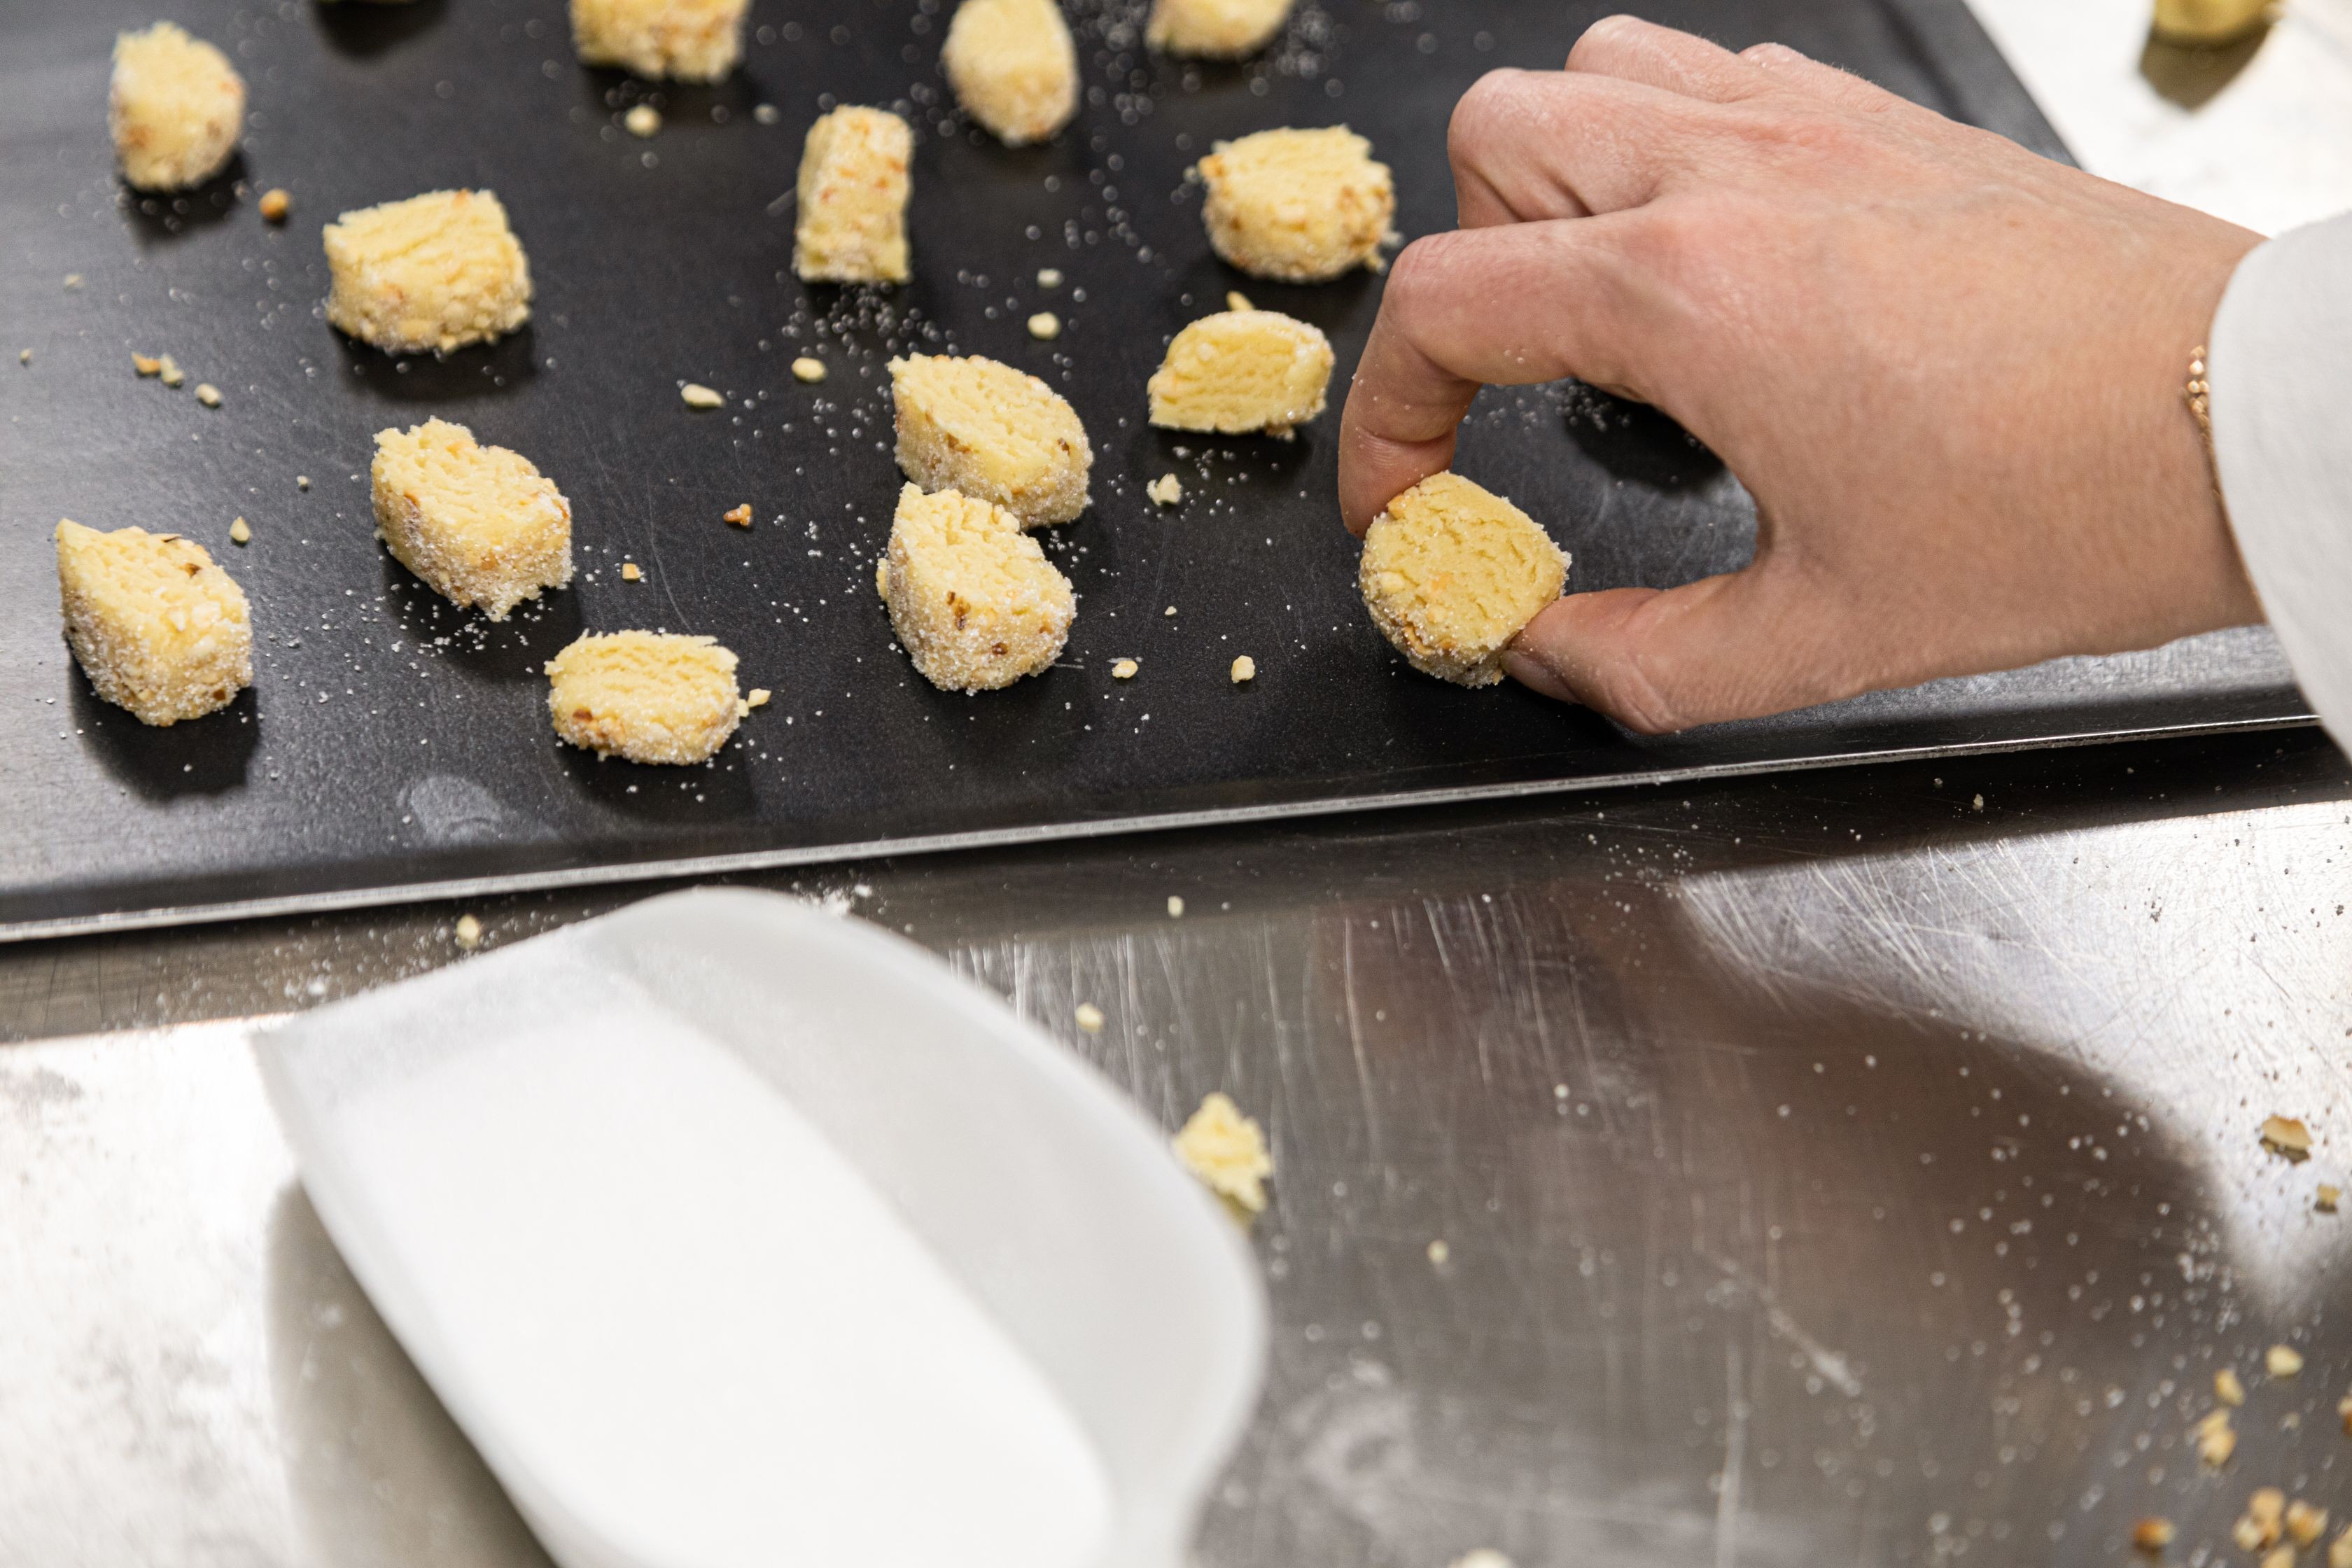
(1014, 68)
(650, 697)
(854, 185)
(176, 106)
(1452, 572)
(480, 524)
(436, 272)
(692, 41)
(992, 432)
(1240, 370)
(1215, 29)
(157, 627)
(1299, 205)
(975, 601)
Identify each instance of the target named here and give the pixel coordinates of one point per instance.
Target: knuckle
(1605, 38)
(1484, 116)
(1418, 274)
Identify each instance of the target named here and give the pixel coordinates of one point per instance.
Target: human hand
(1948, 370)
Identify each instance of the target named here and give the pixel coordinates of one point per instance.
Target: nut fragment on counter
(239, 533)
(208, 394)
(1124, 670)
(642, 120)
(1175, 906)
(694, 394)
(469, 933)
(1090, 1018)
(2228, 1387)
(2327, 1197)
(2286, 1137)
(2339, 1551)
(2304, 1523)
(739, 516)
(630, 572)
(1045, 326)
(2216, 1438)
(1245, 670)
(1227, 1151)
(1167, 489)
(806, 369)
(2283, 1361)
(174, 106)
(274, 205)
(2152, 1535)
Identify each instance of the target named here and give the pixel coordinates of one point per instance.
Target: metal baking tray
(395, 747)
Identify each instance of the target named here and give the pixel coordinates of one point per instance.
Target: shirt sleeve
(2280, 369)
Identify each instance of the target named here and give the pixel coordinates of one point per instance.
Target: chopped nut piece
(643, 120)
(469, 933)
(1485, 1557)
(274, 205)
(767, 114)
(208, 394)
(2286, 1137)
(1045, 326)
(1439, 1252)
(1124, 670)
(1090, 1018)
(2280, 1557)
(1167, 489)
(1049, 277)
(239, 533)
(741, 516)
(1244, 669)
(808, 369)
(629, 572)
(73, 280)
(2266, 1508)
(2216, 1440)
(2283, 1361)
(173, 375)
(1237, 301)
(1175, 907)
(23, 356)
(1227, 1151)
(2328, 1198)
(2247, 1534)
(2148, 1535)
(697, 396)
(145, 365)
(2305, 1524)
(758, 698)
(2228, 1388)
(302, 481)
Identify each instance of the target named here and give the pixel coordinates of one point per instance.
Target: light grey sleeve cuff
(2279, 366)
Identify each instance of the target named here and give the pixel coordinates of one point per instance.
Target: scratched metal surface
(1832, 1171)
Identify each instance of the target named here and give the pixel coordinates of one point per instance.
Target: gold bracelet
(2197, 394)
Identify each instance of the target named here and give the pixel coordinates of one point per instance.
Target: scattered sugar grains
(1242, 371)
(649, 697)
(992, 432)
(174, 106)
(1090, 1018)
(642, 120)
(1045, 326)
(274, 205)
(2283, 1361)
(694, 394)
(1227, 1151)
(1299, 205)
(2286, 1137)
(158, 628)
(1167, 489)
(975, 601)
(853, 190)
(469, 933)
(480, 524)
(1012, 67)
(1451, 574)
(1245, 670)
(436, 272)
(807, 369)
(691, 40)
(1214, 29)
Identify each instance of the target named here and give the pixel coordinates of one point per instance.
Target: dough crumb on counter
(1245, 670)
(1242, 371)
(650, 697)
(630, 572)
(975, 601)
(1227, 1151)
(643, 120)
(1125, 669)
(176, 107)
(807, 369)
(1014, 68)
(852, 194)
(467, 932)
(1302, 207)
(436, 272)
(208, 394)
(2287, 1138)
(1214, 29)
(691, 40)
(992, 432)
(2283, 1362)
(239, 531)
(1044, 326)
(1452, 573)
(158, 627)
(1167, 489)
(1090, 1018)
(2228, 1387)
(696, 396)
(274, 205)
(480, 525)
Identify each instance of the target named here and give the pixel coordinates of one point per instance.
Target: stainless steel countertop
(1843, 1168)
(1829, 1170)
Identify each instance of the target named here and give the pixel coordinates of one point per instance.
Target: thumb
(1657, 661)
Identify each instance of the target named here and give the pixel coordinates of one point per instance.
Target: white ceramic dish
(554, 1169)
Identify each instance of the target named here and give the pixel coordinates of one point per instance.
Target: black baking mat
(393, 744)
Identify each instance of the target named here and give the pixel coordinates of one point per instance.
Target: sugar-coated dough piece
(975, 601)
(157, 627)
(692, 41)
(436, 272)
(176, 106)
(1239, 371)
(992, 432)
(1013, 67)
(1302, 207)
(1214, 29)
(1452, 573)
(651, 696)
(480, 524)
(854, 186)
